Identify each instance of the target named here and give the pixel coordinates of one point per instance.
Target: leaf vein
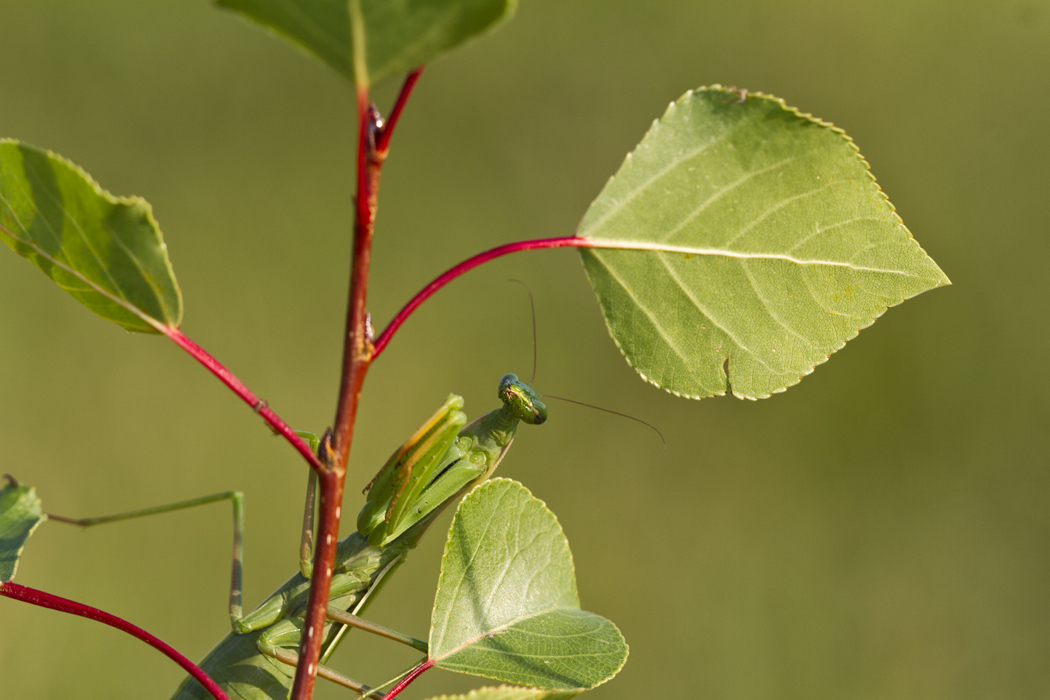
(699, 150)
(649, 314)
(721, 326)
(606, 244)
(774, 209)
(717, 195)
(768, 307)
(131, 308)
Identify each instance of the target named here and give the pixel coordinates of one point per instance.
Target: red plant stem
(357, 353)
(412, 675)
(466, 266)
(357, 358)
(47, 600)
(383, 143)
(227, 377)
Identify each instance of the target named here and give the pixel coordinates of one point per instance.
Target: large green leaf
(509, 692)
(741, 233)
(20, 513)
(398, 35)
(507, 606)
(106, 251)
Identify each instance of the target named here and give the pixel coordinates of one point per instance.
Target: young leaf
(20, 513)
(507, 606)
(509, 692)
(743, 233)
(398, 35)
(106, 251)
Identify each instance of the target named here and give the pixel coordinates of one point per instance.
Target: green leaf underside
(107, 252)
(509, 692)
(20, 513)
(507, 606)
(742, 230)
(399, 34)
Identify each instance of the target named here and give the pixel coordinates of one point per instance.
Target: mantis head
(519, 398)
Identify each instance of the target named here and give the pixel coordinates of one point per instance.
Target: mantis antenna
(535, 343)
(615, 413)
(532, 308)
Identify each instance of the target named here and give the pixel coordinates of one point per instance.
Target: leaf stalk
(258, 405)
(468, 265)
(72, 607)
(415, 673)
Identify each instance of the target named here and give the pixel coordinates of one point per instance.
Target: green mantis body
(437, 464)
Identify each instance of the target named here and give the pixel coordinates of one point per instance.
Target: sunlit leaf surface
(507, 606)
(744, 235)
(20, 513)
(107, 252)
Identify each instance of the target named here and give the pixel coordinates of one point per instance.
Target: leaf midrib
(506, 627)
(607, 244)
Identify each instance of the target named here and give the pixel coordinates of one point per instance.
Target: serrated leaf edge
(31, 493)
(572, 563)
(490, 483)
(742, 95)
(133, 200)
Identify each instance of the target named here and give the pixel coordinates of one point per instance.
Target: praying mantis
(438, 463)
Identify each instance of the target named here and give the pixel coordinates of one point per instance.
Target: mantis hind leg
(281, 642)
(236, 569)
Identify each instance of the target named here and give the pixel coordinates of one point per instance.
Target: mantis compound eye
(539, 413)
(522, 400)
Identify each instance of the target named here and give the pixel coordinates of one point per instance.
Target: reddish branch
(412, 675)
(373, 141)
(383, 143)
(257, 404)
(465, 266)
(47, 600)
(358, 353)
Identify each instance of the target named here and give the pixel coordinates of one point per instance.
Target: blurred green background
(880, 531)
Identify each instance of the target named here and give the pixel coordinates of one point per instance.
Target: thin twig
(259, 406)
(387, 131)
(468, 265)
(412, 675)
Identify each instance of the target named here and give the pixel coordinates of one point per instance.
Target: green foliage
(20, 513)
(106, 252)
(507, 606)
(398, 35)
(739, 245)
(766, 245)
